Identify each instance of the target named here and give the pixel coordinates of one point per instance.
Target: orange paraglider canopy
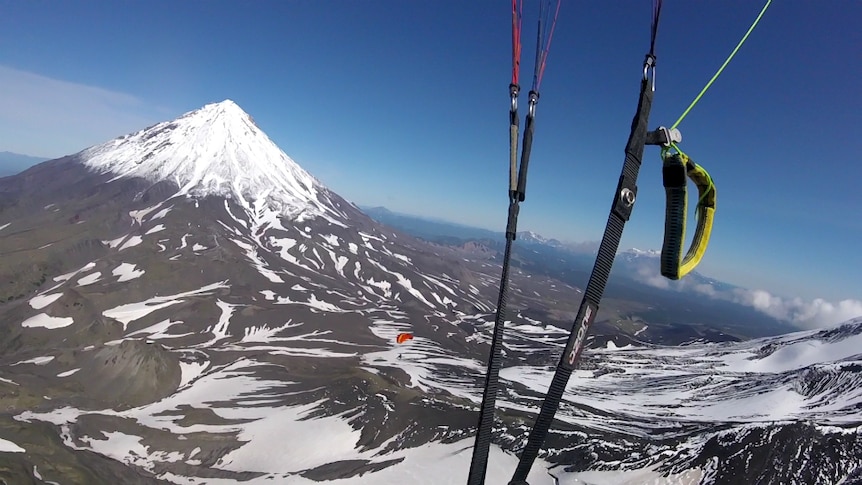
(403, 337)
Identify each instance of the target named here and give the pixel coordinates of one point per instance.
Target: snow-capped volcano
(215, 150)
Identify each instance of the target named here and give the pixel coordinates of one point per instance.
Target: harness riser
(619, 214)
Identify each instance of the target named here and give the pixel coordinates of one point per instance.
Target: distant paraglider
(403, 337)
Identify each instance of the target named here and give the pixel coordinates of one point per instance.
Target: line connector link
(649, 69)
(664, 137)
(533, 100)
(514, 90)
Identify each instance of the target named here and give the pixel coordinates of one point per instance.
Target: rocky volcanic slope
(187, 305)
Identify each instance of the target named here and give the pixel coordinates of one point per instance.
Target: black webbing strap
(517, 193)
(482, 444)
(621, 208)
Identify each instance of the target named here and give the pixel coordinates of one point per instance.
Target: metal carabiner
(649, 68)
(534, 99)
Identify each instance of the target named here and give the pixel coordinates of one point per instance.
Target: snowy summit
(649, 253)
(215, 150)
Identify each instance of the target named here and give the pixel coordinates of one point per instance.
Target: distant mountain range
(12, 163)
(441, 231)
(636, 279)
(434, 230)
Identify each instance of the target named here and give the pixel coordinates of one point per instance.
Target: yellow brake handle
(677, 167)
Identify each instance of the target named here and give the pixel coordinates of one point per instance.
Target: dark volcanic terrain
(185, 304)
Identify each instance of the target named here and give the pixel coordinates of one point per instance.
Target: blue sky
(405, 104)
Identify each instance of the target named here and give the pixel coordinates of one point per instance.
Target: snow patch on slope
(191, 370)
(155, 229)
(117, 445)
(133, 311)
(139, 215)
(220, 330)
(41, 301)
(798, 355)
(47, 321)
(36, 360)
(126, 272)
(90, 279)
(6, 445)
(67, 276)
(131, 242)
(158, 331)
(324, 440)
(161, 213)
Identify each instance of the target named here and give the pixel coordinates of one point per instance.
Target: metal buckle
(671, 136)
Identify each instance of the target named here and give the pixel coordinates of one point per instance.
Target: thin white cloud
(48, 117)
(649, 273)
(816, 313)
(705, 289)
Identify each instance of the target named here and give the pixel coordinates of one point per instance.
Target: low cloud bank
(816, 313)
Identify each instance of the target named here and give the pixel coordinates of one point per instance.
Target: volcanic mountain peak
(215, 150)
